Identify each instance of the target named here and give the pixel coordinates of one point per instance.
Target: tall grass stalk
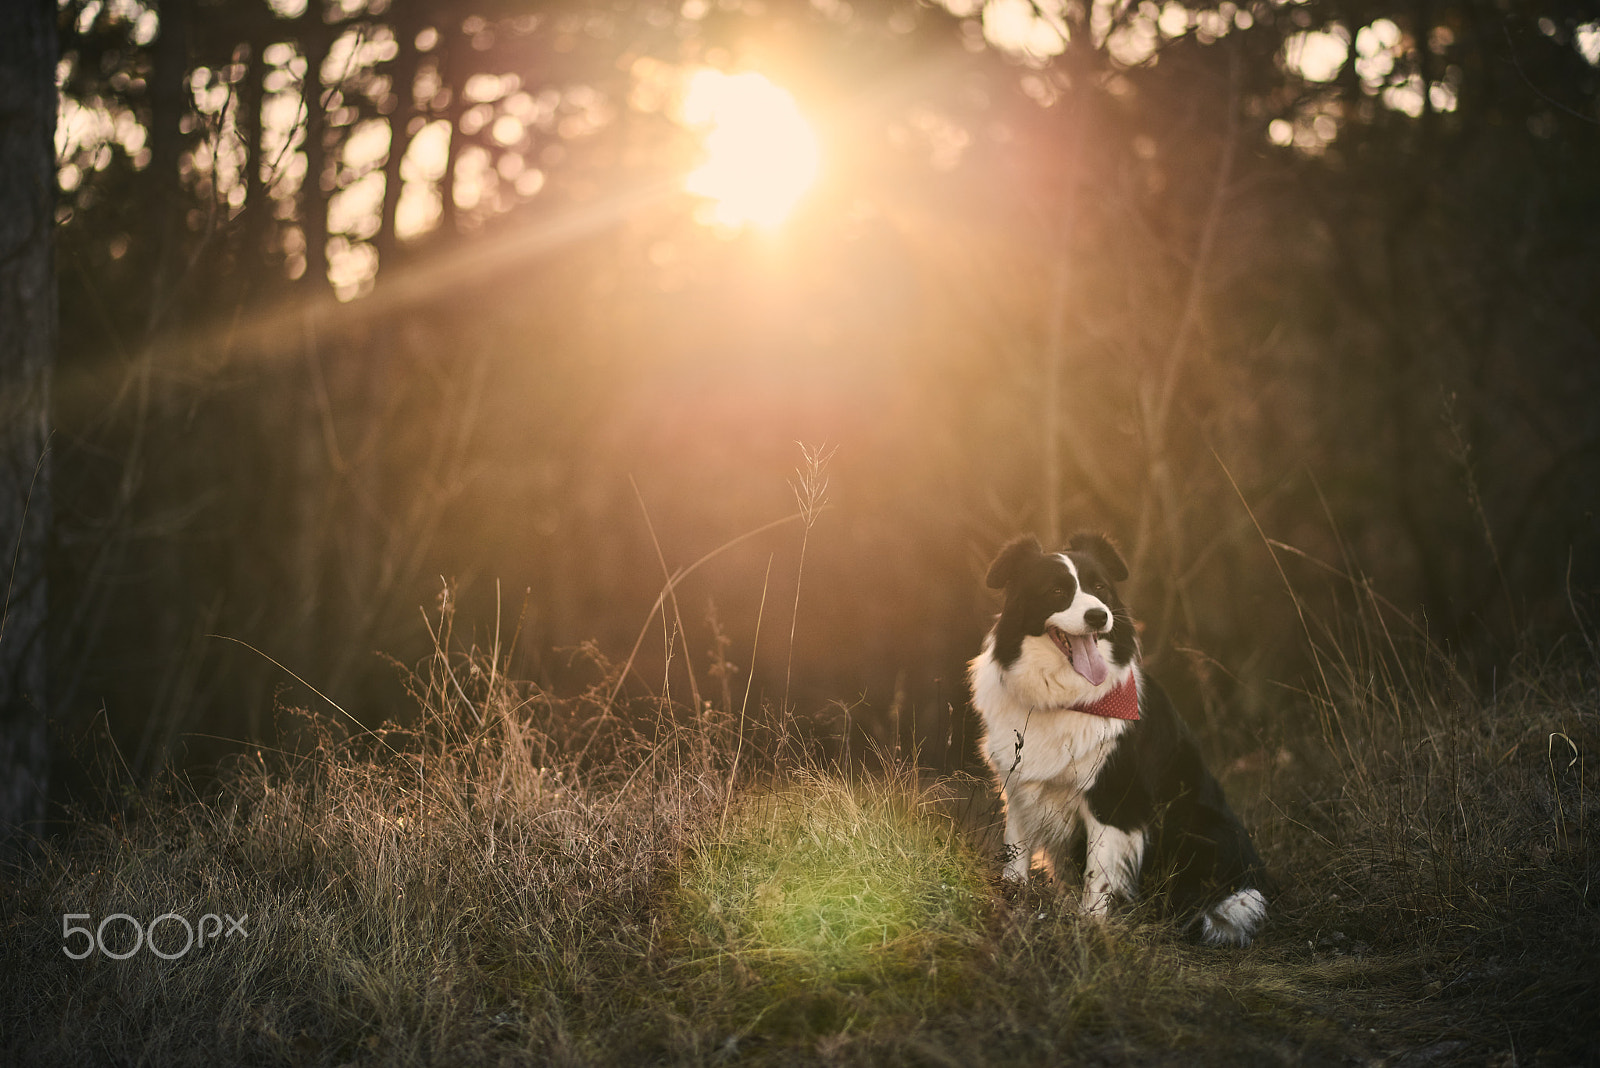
(671, 585)
(811, 493)
(672, 594)
(749, 681)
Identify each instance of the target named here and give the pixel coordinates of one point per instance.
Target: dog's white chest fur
(1031, 736)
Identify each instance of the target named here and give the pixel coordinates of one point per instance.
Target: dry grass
(525, 880)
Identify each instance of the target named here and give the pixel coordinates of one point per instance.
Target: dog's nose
(1095, 617)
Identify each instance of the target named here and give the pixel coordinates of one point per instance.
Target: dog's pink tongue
(1086, 658)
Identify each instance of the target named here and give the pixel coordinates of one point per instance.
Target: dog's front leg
(1111, 866)
(1019, 854)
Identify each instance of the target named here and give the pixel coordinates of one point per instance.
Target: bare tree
(27, 353)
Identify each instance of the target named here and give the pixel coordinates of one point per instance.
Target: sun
(761, 154)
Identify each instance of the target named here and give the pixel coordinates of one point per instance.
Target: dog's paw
(1097, 904)
(1015, 875)
(1234, 920)
(1015, 862)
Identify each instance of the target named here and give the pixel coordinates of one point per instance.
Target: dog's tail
(1235, 919)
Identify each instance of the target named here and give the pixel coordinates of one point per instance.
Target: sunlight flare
(761, 154)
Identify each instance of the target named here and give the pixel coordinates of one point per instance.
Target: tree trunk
(166, 202)
(406, 27)
(27, 356)
(316, 38)
(257, 222)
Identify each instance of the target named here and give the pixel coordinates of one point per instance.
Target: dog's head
(1070, 598)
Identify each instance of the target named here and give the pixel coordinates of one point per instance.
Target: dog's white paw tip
(1234, 920)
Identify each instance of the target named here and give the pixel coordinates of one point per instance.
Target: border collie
(1093, 762)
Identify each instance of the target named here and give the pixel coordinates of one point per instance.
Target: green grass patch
(823, 908)
(824, 874)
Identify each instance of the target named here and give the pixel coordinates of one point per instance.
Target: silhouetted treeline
(360, 295)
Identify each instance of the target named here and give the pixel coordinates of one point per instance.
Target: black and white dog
(1093, 762)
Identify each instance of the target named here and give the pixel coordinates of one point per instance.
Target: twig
(1158, 413)
(1540, 93)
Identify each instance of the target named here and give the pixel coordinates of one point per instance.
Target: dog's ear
(1105, 554)
(1017, 552)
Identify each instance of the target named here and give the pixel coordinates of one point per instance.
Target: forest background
(361, 301)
